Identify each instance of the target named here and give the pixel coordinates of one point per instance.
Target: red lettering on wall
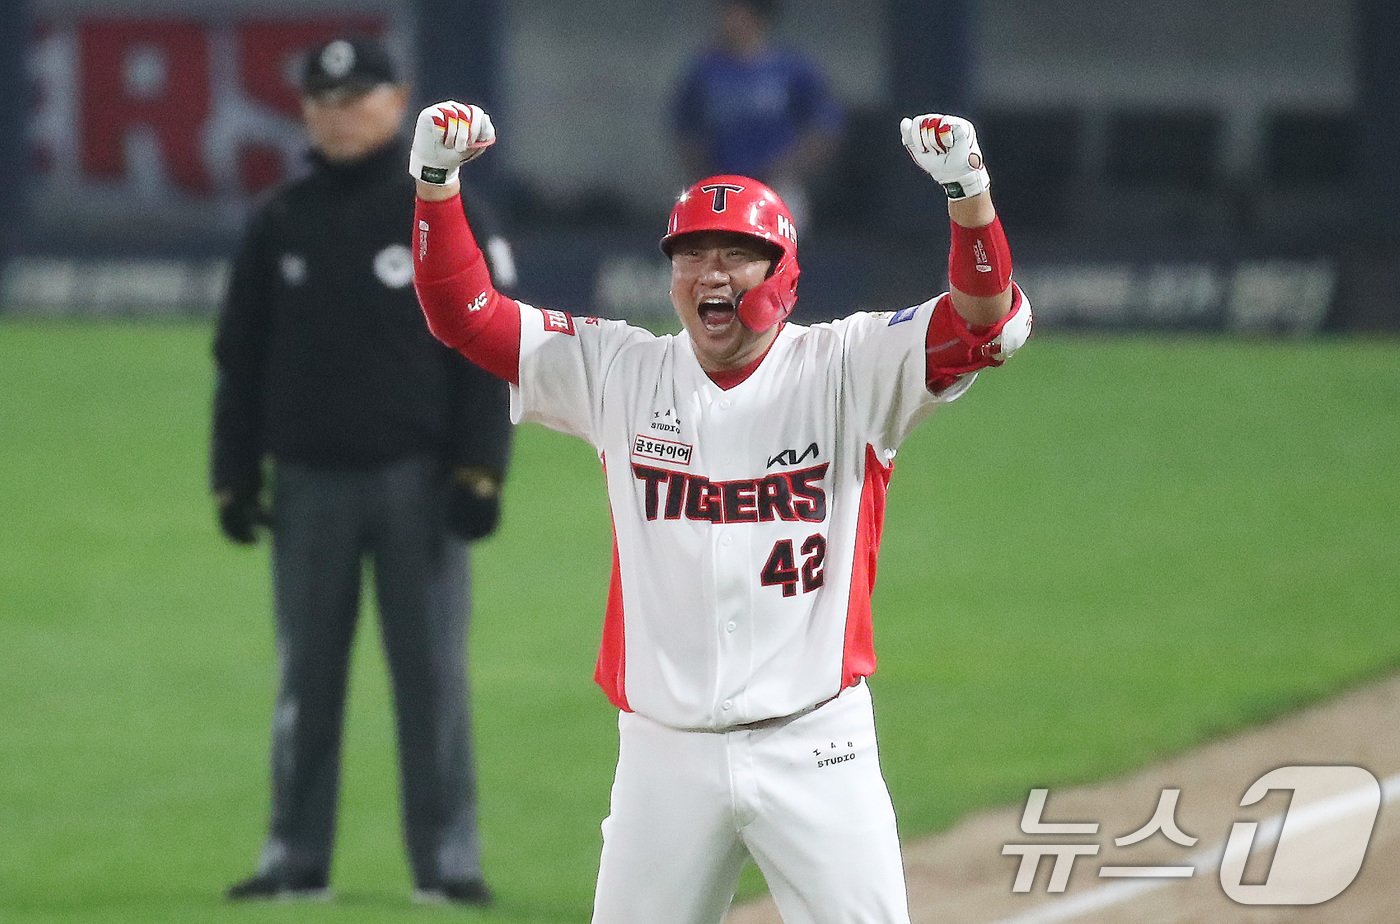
(148, 74)
(217, 103)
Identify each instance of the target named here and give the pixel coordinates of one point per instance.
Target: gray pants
(328, 524)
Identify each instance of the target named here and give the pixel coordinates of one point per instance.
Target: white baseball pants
(804, 798)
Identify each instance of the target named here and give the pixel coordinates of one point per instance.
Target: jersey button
(724, 404)
(727, 540)
(731, 626)
(727, 705)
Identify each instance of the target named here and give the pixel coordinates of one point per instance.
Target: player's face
(346, 125)
(709, 271)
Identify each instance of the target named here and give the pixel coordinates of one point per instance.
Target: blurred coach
(384, 446)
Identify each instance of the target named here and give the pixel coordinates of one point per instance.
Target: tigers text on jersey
(746, 521)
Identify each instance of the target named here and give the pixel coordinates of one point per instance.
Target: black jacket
(322, 352)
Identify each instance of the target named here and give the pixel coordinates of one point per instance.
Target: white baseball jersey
(747, 520)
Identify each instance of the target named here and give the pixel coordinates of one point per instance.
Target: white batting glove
(447, 135)
(945, 147)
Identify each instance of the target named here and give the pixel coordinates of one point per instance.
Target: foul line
(1067, 909)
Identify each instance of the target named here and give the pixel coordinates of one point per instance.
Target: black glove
(473, 503)
(239, 516)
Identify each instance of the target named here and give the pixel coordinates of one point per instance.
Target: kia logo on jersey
(792, 457)
(720, 192)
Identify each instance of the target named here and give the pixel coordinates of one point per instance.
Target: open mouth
(717, 312)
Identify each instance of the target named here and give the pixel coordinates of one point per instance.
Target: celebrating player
(746, 461)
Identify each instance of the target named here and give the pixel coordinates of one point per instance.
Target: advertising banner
(160, 124)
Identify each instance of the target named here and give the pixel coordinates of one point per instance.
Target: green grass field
(1110, 550)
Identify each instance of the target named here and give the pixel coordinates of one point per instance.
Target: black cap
(347, 64)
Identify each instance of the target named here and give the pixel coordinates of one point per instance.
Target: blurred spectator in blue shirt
(745, 106)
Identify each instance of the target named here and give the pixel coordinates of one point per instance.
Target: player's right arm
(462, 306)
(558, 367)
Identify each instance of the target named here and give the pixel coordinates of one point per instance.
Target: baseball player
(746, 461)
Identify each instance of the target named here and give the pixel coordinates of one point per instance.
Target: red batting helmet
(744, 206)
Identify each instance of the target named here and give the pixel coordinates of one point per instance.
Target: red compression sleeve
(979, 260)
(454, 287)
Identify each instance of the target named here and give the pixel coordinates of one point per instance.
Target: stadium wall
(1105, 236)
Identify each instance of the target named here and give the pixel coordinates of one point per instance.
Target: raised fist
(447, 135)
(945, 147)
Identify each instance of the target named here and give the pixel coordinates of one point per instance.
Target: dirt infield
(962, 877)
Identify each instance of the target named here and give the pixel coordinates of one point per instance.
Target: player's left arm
(984, 318)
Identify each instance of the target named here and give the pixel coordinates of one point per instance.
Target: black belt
(776, 721)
